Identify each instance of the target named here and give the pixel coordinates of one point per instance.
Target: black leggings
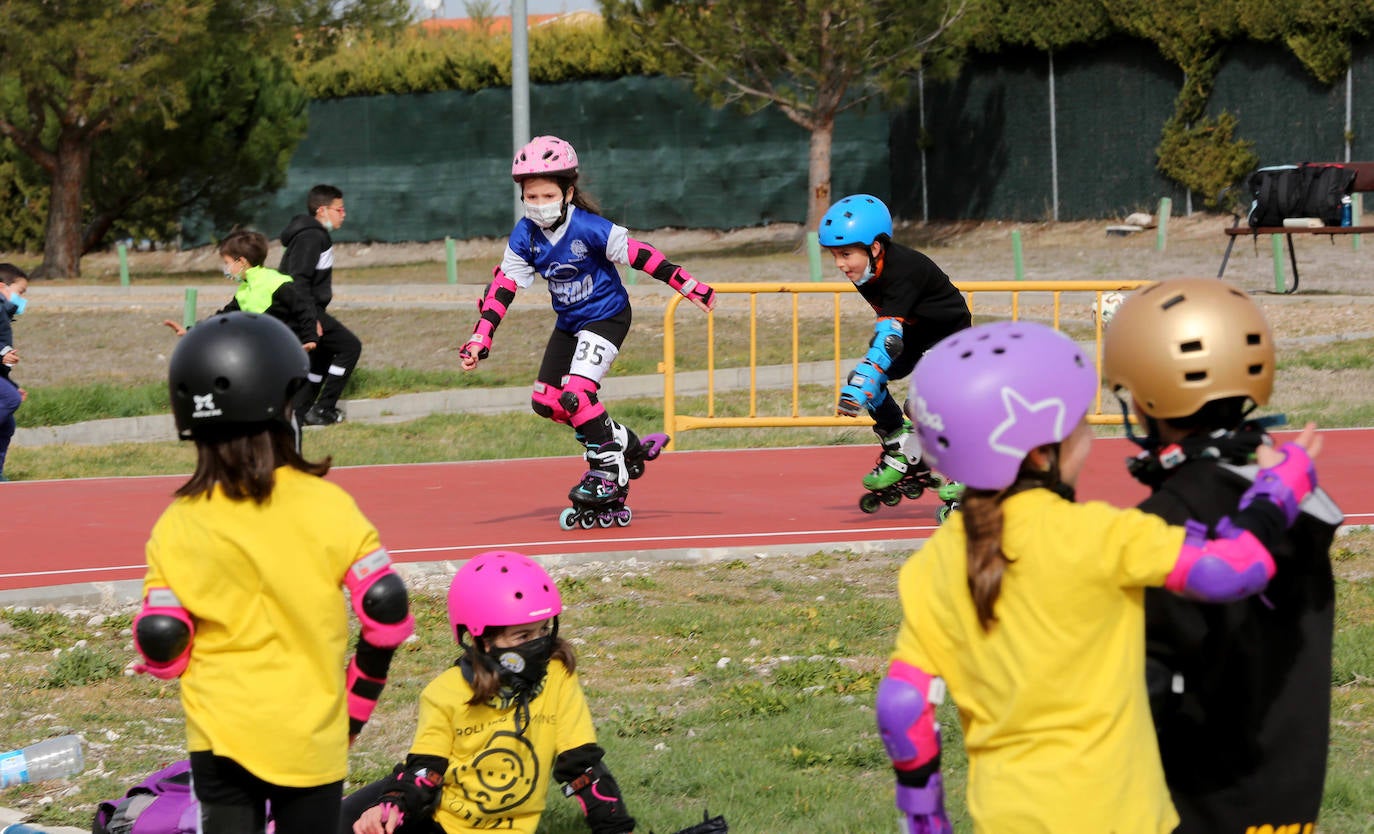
(234, 801)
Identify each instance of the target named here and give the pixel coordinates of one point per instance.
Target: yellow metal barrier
(673, 422)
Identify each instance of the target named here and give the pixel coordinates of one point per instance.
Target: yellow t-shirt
(498, 778)
(1052, 699)
(265, 683)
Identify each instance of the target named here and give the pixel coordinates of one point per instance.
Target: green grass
(1345, 355)
(745, 686)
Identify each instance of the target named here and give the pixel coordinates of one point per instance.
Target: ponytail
(982, 514)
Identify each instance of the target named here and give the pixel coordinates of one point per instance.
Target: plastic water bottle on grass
(51, 758)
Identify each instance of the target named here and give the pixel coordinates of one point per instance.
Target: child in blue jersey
(564, 240)
(1027, 606)
(916, 306)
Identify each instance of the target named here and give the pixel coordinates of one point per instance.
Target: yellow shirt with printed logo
(263, 584)
(498, 773)
(1052, 699)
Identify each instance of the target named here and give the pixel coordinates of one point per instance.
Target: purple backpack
(161, 804)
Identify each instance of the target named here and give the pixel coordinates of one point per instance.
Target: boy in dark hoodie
(309, 260)
(13, 284)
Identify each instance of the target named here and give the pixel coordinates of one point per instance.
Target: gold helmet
(1182, 343)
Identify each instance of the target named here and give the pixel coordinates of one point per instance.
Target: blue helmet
(856, 219)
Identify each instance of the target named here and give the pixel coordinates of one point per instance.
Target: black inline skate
(598, 500)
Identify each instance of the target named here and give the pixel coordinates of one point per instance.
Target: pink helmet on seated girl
(984, 397)
(500, 588)
(544, 156)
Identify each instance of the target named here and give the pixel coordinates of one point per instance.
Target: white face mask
(544, 216)
(866, 277)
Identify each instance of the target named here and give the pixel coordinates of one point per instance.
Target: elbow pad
(380, 600)
(492, 309)
(163, 633)
(905, 709)
(1231, 566)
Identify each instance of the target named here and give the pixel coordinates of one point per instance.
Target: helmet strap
(1236, 446)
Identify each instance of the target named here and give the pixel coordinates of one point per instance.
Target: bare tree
(812, 59)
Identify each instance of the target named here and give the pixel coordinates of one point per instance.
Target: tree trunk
(818, 171)
(62, 243)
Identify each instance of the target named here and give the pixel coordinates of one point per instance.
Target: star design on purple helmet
(1028, 424)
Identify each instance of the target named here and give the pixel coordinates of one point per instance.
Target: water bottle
(1345, 210)
(51, 758)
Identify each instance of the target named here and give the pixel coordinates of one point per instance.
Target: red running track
(93, 530)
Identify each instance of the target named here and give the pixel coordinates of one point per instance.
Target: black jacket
(6, 335)
(914, 290)
(309, 259)
(1244, 743)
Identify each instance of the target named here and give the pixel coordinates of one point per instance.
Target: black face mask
(522, 668)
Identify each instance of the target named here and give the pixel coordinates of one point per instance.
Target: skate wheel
(623, 517)
(587, 521)
(567, 519)
(635, 469)
(943, 513)
(605, 519)
(892, 499)
(869, 503)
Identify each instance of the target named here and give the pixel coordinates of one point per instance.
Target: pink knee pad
(544, 401)
(580, 402)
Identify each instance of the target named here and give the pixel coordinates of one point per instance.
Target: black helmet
(233, 369)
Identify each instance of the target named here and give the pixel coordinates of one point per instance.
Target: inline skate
(598, 500)
(950, 493)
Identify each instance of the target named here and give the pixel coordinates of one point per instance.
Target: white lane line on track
(725, 537)
(1350, 519)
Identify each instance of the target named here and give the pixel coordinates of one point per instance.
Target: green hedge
(424, 62)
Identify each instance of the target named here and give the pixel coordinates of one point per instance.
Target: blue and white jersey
(578, 260)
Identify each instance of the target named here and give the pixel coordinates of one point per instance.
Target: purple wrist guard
(924, 808)
(1286, 484)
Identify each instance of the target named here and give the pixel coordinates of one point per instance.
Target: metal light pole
(519, 85)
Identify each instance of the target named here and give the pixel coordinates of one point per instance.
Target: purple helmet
(500, 588)
(984, 397)
(544, 156)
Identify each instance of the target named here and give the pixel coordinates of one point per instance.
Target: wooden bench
(1364, 182)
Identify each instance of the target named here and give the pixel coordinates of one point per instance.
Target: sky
(458, 8)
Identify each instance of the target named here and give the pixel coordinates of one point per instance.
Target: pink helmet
(544, 156)
(500, 588)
